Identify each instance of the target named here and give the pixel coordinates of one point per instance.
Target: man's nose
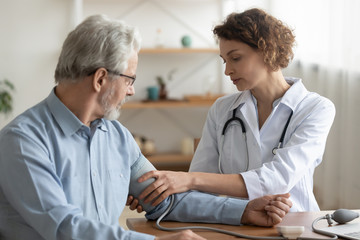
(130, 91)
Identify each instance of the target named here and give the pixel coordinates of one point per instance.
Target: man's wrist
(245, 216)
(193, 181)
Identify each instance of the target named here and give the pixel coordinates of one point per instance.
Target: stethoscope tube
(243, 129)
(282, 135)
(234, 118)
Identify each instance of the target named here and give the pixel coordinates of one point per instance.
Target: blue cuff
(196, 206)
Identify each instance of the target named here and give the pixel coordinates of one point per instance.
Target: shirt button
(94, 174)
(121, 175)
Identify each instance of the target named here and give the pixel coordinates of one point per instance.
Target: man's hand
(183, 235)
(267, 210)
(133, 204)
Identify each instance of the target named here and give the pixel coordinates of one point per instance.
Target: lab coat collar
(297, 89)
(295, 94)
(240, 100)
(246, 106)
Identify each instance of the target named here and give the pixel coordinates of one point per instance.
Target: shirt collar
(67, 121)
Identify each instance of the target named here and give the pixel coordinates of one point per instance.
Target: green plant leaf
(6, 100)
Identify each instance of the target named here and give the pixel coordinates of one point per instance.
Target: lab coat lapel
(249, 115)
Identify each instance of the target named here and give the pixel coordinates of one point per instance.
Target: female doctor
(266, 139)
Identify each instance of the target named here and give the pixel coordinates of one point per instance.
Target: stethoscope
(243, 129)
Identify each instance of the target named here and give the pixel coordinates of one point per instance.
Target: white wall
(31, 36)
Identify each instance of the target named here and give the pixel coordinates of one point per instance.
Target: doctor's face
(243, 64)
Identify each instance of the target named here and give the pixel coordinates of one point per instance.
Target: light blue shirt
(63, 180)
(292, 168)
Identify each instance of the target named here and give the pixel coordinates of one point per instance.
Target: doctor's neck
(270, 89)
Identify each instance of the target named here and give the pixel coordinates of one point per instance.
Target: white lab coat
(292, 168)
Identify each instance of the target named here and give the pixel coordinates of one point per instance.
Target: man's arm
(33, 193)
(201, 207)
(193, 206)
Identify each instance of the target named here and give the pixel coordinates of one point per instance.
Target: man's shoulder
(28, 121)
(116, 127)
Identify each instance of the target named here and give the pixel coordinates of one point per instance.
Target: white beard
(111, 113)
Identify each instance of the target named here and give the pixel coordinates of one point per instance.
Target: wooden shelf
(166, 104)
(178, 50)
(171, 161)
(188, 101)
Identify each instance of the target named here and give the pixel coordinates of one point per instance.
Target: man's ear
(99, 79)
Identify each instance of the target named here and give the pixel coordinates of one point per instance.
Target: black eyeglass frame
(119, 74)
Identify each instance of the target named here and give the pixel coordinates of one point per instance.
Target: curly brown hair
(261, 31)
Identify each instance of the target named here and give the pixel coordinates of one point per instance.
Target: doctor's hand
(267, 211)
(165, 184)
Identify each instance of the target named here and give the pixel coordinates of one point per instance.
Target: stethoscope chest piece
(274, 150)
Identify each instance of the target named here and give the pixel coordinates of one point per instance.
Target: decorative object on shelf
(162, 84)
(159, 41)
(146, 146)
(162, 90)
(186, 41)
(187, 146)
(6, 100)
(153, 93)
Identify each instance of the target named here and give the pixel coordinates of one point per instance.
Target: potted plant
(162, 83)
(6, 99)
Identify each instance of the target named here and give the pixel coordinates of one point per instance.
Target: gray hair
(97, 42)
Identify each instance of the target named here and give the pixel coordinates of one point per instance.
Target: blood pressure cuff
(191, 206)
(139, 168)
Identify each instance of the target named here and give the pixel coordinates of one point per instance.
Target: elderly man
(66, 163)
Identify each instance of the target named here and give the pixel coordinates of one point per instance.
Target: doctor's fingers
(151, 188)
(158, 195)
(161, 178)
(148, 175)
(174, 181)
(165, 190)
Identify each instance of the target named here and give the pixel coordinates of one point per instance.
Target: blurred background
(179, 48)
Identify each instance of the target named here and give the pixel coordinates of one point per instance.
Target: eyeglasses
(129, 83)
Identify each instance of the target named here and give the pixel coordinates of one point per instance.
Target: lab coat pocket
(234, 156)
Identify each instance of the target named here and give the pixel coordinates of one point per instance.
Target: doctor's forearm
(224, 184)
